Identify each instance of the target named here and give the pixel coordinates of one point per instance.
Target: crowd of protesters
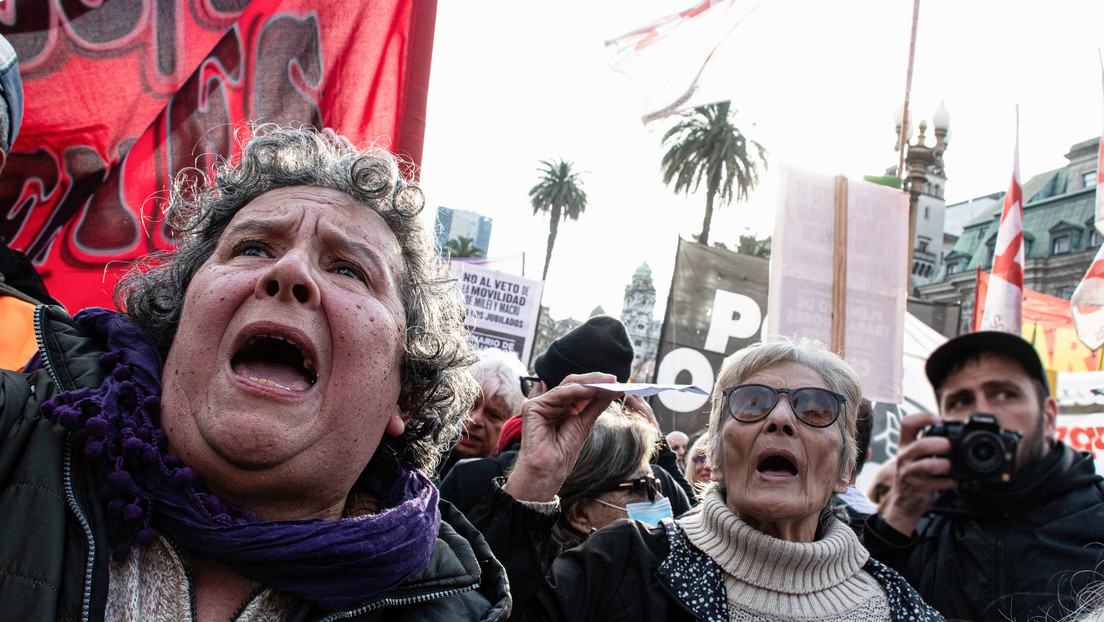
(285, 420)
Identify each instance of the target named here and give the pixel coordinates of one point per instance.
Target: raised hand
(554, 427)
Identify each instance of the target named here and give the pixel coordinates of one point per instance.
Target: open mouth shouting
(275, 361)
(775, 464)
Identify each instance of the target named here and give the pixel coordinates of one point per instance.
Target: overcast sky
(815, 81)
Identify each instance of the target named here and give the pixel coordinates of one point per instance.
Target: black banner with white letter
(716, 306)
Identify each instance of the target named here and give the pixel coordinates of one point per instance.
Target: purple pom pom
(149, 453)
(171, 462)
(119, 479)
(68, 418)
(97, 427)
(132, 512)
(93, 449)
(48, 409)
(115, 507)
(152, 405)
(185, 476)
(209, 503)
(89, 408)
(133, 445)
(109, 358)
(222, 519)
(146, 536)
(122, 373)
(121, 551)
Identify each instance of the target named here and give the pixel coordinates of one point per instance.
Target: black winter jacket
(626, 571)
(1019, 555)
(53, 546)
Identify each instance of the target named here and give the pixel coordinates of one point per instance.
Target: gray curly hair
(437, 387)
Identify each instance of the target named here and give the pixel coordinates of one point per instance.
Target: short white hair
(499, 374)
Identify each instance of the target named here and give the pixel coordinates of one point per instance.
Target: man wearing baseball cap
(991, 517)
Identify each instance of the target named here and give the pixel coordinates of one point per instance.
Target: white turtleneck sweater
(771, 579)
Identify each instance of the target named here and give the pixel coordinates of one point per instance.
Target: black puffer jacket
(1021, 555)
(53, 548)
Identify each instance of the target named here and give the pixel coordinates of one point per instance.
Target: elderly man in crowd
(499, 398)
(991, 517)
(247, 440)
(678, 442)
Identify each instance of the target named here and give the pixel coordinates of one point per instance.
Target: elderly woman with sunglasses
(768, 543)
(611, 479)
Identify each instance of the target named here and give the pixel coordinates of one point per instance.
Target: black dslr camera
(980, 450)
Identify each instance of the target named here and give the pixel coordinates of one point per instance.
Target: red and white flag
(1087, 303)
(1100, 168)
(1004, 301)
(671, 57)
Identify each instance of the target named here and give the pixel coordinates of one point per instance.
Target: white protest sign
(502, 308)
(801, 274)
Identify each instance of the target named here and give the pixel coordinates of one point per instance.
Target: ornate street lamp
(919, 160)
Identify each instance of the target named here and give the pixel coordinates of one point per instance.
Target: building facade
(452, 224)
(637, 313)
(1060, 240)
(927, 253)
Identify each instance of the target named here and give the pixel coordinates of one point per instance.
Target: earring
(593, 529)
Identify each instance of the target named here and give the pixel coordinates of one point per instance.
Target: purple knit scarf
(331, 564)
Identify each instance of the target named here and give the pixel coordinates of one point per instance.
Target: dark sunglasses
(527, 384)
(815, 407)
(647, 485)
(699, 460)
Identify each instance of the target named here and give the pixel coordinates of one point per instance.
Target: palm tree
(461, 246)
(559, 193)
(706, 147)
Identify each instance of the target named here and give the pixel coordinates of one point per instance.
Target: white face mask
(647, 512)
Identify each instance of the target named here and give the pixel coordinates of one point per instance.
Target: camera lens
(982, 451)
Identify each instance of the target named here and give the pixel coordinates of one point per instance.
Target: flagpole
(903, 138)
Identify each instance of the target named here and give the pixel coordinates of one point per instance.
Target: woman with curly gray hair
(247, 440)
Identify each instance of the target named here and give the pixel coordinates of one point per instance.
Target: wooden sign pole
(839, 268)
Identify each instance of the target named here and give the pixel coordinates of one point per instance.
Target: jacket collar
(692, 577)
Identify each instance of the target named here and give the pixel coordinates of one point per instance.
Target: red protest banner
(121, 95)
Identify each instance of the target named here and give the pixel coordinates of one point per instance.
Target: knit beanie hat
(600, 344)
(510, 434)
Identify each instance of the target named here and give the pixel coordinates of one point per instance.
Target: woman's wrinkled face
(284, 373)
(778, 472)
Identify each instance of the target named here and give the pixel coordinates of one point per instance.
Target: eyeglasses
(815, 407)
(527, 384)
(647, 485)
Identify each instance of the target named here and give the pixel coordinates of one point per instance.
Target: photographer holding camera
(991, 517)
